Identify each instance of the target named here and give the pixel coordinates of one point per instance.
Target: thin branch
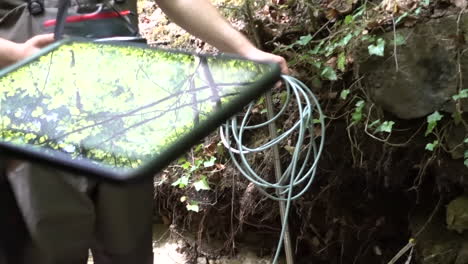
(211, 83)
(395, 55)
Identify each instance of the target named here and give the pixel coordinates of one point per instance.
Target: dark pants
(13, 234)
(66, 215)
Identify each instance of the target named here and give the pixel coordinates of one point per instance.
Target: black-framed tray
(120, 112)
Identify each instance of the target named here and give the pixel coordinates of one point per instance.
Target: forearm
(10, 52)
(202, 19)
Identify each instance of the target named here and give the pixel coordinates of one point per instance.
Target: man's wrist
(18, 52)
(247, 50)
(10, 53)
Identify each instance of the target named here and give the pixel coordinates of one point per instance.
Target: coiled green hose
(297, 178)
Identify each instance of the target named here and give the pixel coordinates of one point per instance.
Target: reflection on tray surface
(117, 106)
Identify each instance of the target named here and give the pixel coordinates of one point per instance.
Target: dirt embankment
(371, 197)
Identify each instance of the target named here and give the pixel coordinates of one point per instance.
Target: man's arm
(11, 52)
(202, 19)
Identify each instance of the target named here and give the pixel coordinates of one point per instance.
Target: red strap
(79, 18)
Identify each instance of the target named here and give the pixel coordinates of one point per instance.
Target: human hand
(33, 45)
(258, 55)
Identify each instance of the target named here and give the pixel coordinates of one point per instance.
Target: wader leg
(124, 224)
(58, 212)
(13, 234)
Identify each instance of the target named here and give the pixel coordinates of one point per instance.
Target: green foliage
(345, 35)
(399, 40)
(202, 163)
(193, 206)
(466, 158)
(344, 94)
(385, 127)
(182, 182)
(341, 62)
(210, 162)
(357, 114)
(348, 19)
(432, 121)
(461, 95)
(329, 74)
(304, 40)
(202, 184)
(377, 48)
(432, 146)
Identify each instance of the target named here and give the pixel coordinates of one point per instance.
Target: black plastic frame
(203, 129)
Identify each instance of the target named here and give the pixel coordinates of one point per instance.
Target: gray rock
(427, 75)
(457, 214)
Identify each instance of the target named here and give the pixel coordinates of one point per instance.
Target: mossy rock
(457, 214)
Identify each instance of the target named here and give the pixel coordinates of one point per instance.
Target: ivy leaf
(344, 41)
(357, 115)
(193, 206)
(202, 184)
(417, 11)
(186, 165)
(432, 122)
(341, 62)
(304, 40)
(399, 40)
(198, 162)
(466, 154)
(317, 48)
(316, 64)
(210, 162)
(461, 95)
(377, 49)
(182, 182)
(329, 73)
(198, 148)
(348, 19)
(385, 127)
(432, 146)
(344, 94)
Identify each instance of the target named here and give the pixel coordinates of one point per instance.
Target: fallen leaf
(210, 148)
(331, 14)
(331, 62)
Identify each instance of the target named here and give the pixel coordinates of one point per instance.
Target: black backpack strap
(62, 13)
